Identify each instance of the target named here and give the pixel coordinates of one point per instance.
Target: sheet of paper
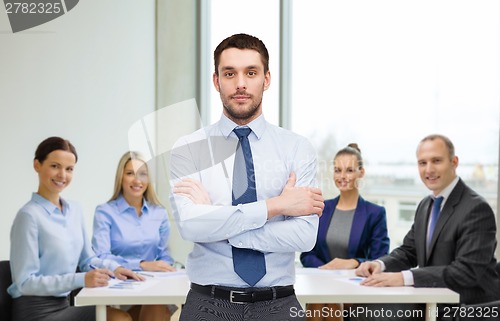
(127, 285)
(317, 271)
(355, 280)
(149, 274)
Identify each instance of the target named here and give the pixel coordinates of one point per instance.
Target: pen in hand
(93, 267)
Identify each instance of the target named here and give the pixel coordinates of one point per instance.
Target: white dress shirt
(207, 155)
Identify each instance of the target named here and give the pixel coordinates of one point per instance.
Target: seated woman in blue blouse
(351, 229)
(132, 228)
(49, 241)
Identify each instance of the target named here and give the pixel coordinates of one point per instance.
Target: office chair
(5, 298)
(492, 308)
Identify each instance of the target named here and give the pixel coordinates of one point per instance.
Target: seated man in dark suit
(452, 245)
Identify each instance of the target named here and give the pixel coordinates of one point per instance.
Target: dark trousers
(203, 307)
(46, 308)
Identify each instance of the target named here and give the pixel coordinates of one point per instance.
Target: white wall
(86, 76)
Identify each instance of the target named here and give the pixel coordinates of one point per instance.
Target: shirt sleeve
(101, 241)
(286, 233)
(163, 248)
(407, 278)
(223, 221)
(195, 220)
(25, 263)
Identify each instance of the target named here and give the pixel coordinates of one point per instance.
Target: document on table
(316, 271)
(149, 274)
(355, 280)
(127, 285)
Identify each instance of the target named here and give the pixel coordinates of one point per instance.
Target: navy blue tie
(436, 208)
(249, 264)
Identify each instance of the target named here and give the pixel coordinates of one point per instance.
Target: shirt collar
(123, 206)
(49, 206)
(445, 193)
(258, 126)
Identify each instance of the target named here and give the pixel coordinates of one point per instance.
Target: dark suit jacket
(368, 239)
(462, 250)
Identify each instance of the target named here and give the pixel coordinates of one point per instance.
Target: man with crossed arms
(282, 220)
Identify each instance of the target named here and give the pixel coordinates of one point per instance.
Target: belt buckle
(231, 296)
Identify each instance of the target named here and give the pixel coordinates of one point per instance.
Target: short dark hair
(242, 41)
(51, 144)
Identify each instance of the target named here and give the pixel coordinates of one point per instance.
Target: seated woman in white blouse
(49, 242)
(132, 228)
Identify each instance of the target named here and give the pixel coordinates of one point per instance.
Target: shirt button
(240, 244)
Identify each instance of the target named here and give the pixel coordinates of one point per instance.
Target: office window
(407, 211)
(259, 18)
(384, 74)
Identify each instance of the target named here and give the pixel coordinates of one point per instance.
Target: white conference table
(311, 286)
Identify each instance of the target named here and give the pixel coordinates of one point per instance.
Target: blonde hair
(149, 194)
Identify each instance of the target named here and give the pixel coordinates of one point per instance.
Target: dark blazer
(462, 251)
(368, 239)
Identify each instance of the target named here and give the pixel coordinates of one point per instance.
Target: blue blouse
(47, 245)
(123, 236)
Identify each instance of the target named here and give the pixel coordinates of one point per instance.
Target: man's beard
(238, 113)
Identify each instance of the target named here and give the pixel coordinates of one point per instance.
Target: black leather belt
(237, 295)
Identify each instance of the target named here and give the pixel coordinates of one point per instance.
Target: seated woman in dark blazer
(351, 229)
